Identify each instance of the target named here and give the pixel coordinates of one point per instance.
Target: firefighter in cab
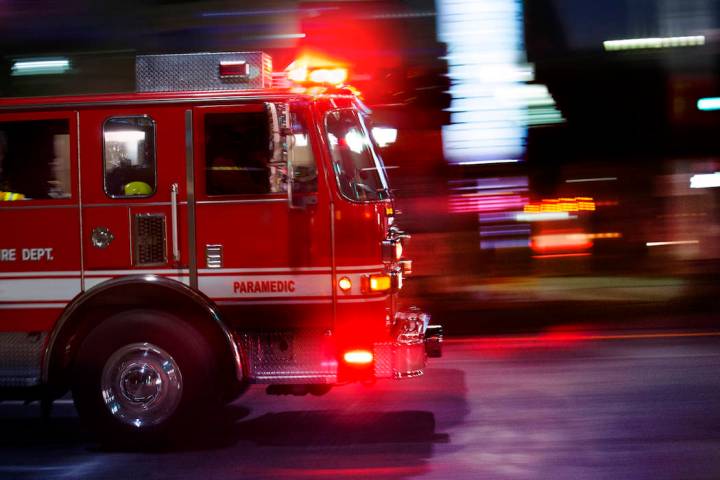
(6, 192)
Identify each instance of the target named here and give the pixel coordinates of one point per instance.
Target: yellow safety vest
(10, 196)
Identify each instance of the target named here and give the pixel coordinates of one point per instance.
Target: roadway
(554, 405)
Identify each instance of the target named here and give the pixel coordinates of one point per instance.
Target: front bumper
(311, 357)
(414, 340)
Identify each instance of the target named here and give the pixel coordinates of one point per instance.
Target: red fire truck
(162, 250)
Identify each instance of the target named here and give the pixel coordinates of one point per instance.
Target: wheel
(142, 374)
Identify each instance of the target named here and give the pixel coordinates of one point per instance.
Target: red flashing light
(358, 357)
(310, 70)
(328, 76)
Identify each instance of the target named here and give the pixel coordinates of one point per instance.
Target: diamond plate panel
(20, 358)
(200, 71)
(383, 355)
(290, 357)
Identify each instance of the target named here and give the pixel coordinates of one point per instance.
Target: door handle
(174, 221)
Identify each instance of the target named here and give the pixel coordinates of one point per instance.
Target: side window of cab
(238, 155)
(129, 157)
(34, 160)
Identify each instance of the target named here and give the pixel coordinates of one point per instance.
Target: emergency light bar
(203, 71)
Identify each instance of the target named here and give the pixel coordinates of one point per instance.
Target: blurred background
(554, 160)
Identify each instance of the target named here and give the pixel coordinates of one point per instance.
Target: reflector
(234, 69)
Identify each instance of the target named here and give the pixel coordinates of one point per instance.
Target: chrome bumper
(414, 339)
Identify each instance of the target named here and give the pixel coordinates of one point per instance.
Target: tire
(141, 375)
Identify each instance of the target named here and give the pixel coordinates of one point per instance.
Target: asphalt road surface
(552, 406)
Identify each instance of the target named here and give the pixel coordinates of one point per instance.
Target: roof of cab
(64, 102)
(122, 99)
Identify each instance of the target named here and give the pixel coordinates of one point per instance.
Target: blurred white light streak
(492, 106)
(384, 136)
(678, 242)
(542, 216)
(708, 104)
(655, 42)
(488, 162)
(598, 179)
(705, 180)
(485, 52)
(40, 67)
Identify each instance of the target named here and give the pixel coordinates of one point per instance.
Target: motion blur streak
(675, 242)
(658, 42)
(368, 472)
(561, 337)
(561, 255)
(482, 36)
(40, 67)
(709, 180)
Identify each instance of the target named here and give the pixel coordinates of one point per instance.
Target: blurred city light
(597, 179)
(483, 36)
(705, 180)
(576, 204)
(656, 42)
(542, 216)
(384, 136)
(676, 242)
(708, 104)
(47, 66)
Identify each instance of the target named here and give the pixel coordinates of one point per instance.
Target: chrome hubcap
(141, 385)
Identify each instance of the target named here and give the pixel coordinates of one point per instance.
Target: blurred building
(498, 106)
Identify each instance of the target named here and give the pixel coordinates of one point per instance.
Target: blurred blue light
(708, 104)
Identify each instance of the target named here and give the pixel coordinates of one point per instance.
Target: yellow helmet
(137, 188)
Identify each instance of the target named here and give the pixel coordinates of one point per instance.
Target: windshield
(358, 168)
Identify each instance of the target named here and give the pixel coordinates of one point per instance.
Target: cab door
(133, 193)
(39, 236)
(265, 263)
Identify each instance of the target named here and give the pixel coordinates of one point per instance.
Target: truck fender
(128, 292)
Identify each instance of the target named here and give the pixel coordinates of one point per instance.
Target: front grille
(149, 239)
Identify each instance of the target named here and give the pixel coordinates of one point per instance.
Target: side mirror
(297, 198)
(282, 165)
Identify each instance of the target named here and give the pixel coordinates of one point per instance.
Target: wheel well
(110, 298)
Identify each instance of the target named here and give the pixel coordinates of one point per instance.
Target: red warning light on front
(358, 357)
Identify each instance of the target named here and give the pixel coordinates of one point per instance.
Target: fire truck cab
(162, 250)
